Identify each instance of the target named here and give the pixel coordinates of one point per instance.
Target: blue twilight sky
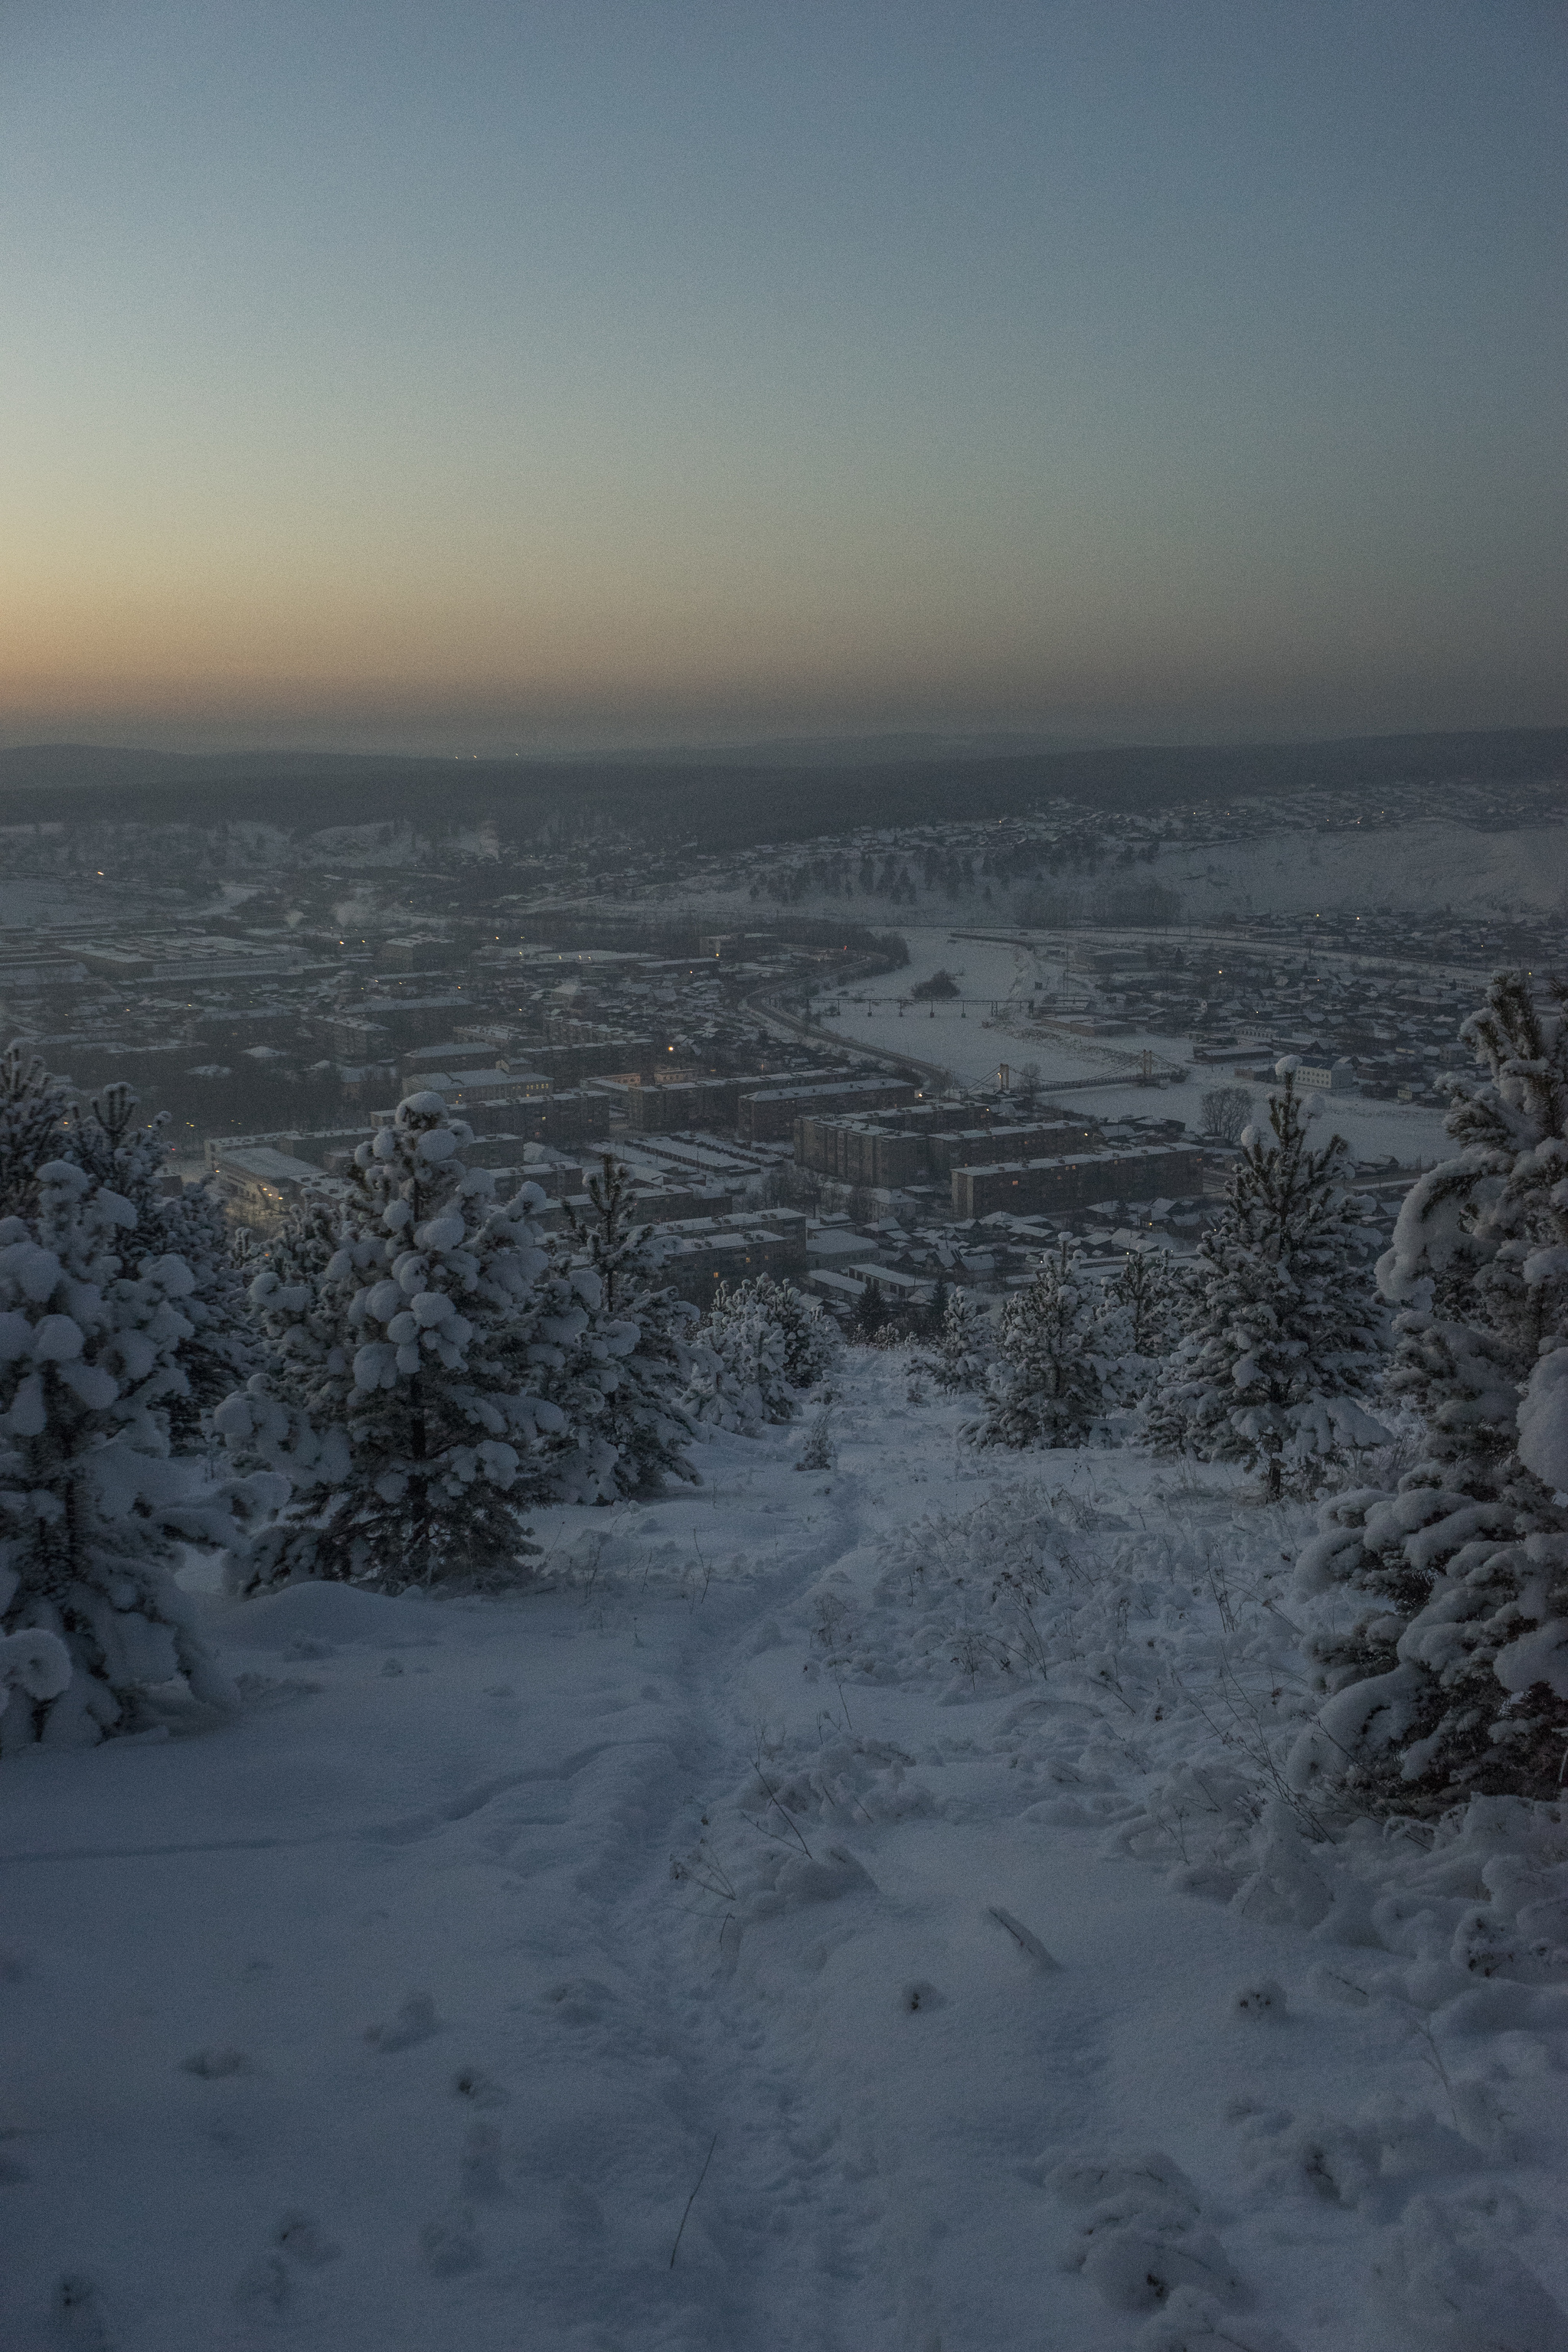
(486, 376)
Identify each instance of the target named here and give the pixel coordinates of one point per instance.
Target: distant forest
(731, 803)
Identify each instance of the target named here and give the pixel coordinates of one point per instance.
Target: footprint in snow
(78, 2315)
(296, 2236)
(471, 2084)
(450, 2247)
(482, 2162)
(213, 2065)
(265, 2290)
(416, 2021)
(1264, 1999)
(580, 2210)
(579, 2000)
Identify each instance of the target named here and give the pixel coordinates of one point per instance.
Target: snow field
(890, 1835)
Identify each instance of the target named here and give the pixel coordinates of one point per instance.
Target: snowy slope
(409, 2012)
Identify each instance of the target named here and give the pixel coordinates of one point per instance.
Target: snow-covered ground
(847, 1873)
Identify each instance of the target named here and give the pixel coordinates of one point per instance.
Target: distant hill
(728, 803)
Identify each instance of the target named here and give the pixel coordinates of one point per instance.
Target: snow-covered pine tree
(295, 1316)
(738, 1380)
(1287, 1337)
(965, 1345)
(635, 1353)
(130, 1156)
(1141, 1321)
(404, 1391)
(1146, 1292)
(1438, 1613)
(91, 1506)
(871, 1314)
(813, 1342)
(1045, 1384)
(34, 1107)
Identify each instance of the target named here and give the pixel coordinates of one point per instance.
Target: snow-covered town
(803, 1625)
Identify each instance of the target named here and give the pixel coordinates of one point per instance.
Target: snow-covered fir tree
(1287, 1337)
(405, 1389)
(1045, 1384)
(963, 1345)
(1439, 1611)
(91, 1506)
(633, 1360)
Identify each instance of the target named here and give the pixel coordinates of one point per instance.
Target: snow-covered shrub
(404, 1391)
(976, 1592)
(1034, 1582)
(91, 1504)
(738, 1377)
(818, 1452)
(1439, 1611)
(963, 1345)
(1287, 1340)
(626, 1376)
(36, 1663)
(1045, 1385)
(1157, 1696)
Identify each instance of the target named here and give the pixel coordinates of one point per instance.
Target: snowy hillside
(1410, 867)
(1252, 865)
(831, 1916)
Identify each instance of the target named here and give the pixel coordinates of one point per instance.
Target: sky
(454, 375)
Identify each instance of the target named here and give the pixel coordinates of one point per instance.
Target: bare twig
(692, 2198)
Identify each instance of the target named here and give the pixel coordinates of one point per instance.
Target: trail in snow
(406, 2014)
